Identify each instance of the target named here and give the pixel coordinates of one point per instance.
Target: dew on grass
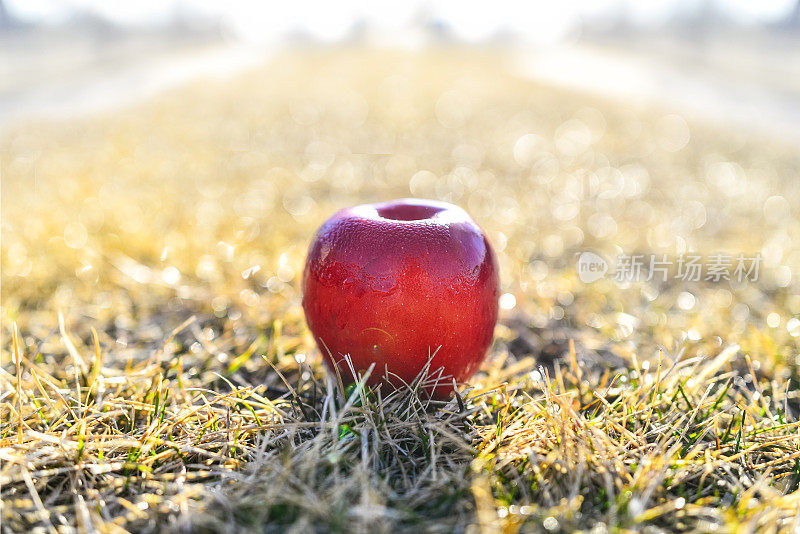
(285, 273)
(672, 133)
(508, 301)
(773, 320)
(249, 297)
(527, 149)
(75, 235)
(226, 250)
(550, 523)
(171, 275)
(219, 305)
(793, 326)
(783, 276)
(275, 285)
(686, 300)
(247, 273)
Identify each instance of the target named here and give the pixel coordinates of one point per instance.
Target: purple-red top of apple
(398, 284)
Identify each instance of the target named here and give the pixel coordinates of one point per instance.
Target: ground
(157, 373)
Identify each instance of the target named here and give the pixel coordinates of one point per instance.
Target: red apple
(398, 284)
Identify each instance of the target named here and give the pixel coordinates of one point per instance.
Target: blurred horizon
(536, 22)
(732, 63)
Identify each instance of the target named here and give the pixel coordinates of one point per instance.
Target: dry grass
(163, 378)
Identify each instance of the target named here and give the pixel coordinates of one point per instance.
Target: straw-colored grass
(158, 375)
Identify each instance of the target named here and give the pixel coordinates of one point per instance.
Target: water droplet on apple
(384, 285)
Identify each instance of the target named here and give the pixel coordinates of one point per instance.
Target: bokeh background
(186, 145)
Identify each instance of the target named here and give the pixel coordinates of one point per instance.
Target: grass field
(157, 373)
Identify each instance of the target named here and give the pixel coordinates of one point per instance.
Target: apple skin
(396, 283)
